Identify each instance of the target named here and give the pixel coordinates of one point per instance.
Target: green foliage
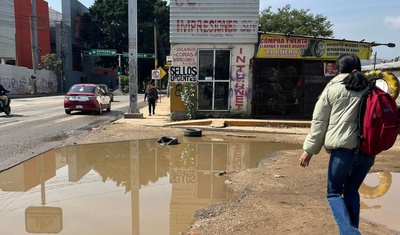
(106, 26)
(124, 83)
(188, 96)
(52, 62)
(299, 22)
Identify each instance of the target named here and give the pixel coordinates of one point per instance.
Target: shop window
(214, 70)
(278, 88)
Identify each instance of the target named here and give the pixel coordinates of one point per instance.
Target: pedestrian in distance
(152, 96)
(334, 126)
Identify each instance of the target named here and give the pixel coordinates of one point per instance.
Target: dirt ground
(277, 197)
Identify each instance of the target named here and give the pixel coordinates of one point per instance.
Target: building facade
(240, 72)
(17, 50)
(290, 71)
(212, 44)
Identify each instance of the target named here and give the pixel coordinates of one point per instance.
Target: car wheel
(109, 107)
(68, 111)
(194, 132)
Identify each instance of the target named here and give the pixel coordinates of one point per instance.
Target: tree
(299, 22)
(52, 62)
(106, 26)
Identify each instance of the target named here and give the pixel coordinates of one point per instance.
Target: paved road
(38, 124)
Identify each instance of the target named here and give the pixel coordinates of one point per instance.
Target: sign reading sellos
(293, 47)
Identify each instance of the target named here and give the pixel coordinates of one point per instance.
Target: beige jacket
(335, 118)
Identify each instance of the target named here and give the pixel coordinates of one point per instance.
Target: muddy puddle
(141, 187)
(131, 187)
(380, 198)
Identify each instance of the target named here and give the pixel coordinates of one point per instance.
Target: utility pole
(155, 50)
(62, 56)
(119, 75)
(34, 38)
(133, 71)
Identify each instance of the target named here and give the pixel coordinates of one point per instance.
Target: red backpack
(379, 122)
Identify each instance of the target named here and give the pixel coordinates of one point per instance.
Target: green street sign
(140, 55)
(145, 55)
(103, 52)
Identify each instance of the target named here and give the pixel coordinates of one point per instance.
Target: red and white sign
(155, 74)
(214, 21)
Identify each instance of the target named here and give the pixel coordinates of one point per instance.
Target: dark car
(86, 97)
(107, 90)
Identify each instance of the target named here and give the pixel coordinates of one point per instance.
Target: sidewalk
(162, 119)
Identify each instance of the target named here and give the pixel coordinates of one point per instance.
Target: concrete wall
(18, 80)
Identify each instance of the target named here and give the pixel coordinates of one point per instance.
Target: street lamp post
(390, 44)
(373, 44)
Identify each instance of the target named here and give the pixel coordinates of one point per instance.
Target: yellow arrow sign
(163, 73)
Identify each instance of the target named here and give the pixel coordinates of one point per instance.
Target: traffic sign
(140, 55)
(87, 53)
(43, 219)
(103, 52)
(162, 72)
(145, 55)
(155, 74)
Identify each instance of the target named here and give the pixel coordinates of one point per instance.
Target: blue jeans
(346, 172)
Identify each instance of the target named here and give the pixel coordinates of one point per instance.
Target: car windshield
(82, 89)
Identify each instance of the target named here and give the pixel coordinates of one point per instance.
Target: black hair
(350, 63)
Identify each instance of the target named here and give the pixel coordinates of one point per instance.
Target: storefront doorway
(214, 70)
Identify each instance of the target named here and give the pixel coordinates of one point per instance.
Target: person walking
(334, 126)
(152, 96)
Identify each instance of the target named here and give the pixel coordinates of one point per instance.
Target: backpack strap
(361, 112)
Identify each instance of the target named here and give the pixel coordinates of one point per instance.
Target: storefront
(290, 72)
(238, 72)
(212, 46)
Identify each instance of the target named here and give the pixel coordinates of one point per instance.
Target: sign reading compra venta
(214, 21)
(295, 47)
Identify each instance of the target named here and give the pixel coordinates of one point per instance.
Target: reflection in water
(123, 187)
(371, 192)
(379, 198)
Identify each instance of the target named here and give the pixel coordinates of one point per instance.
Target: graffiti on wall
(18, 80)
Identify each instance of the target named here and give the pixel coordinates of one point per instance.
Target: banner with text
(293, 47)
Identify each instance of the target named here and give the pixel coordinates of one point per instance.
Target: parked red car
(86, 97)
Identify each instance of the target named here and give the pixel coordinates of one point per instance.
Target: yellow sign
(294, 47)
(162, 71)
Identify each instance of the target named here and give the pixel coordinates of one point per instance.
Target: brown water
(139, 187)
(132, 187)
(380, 195)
